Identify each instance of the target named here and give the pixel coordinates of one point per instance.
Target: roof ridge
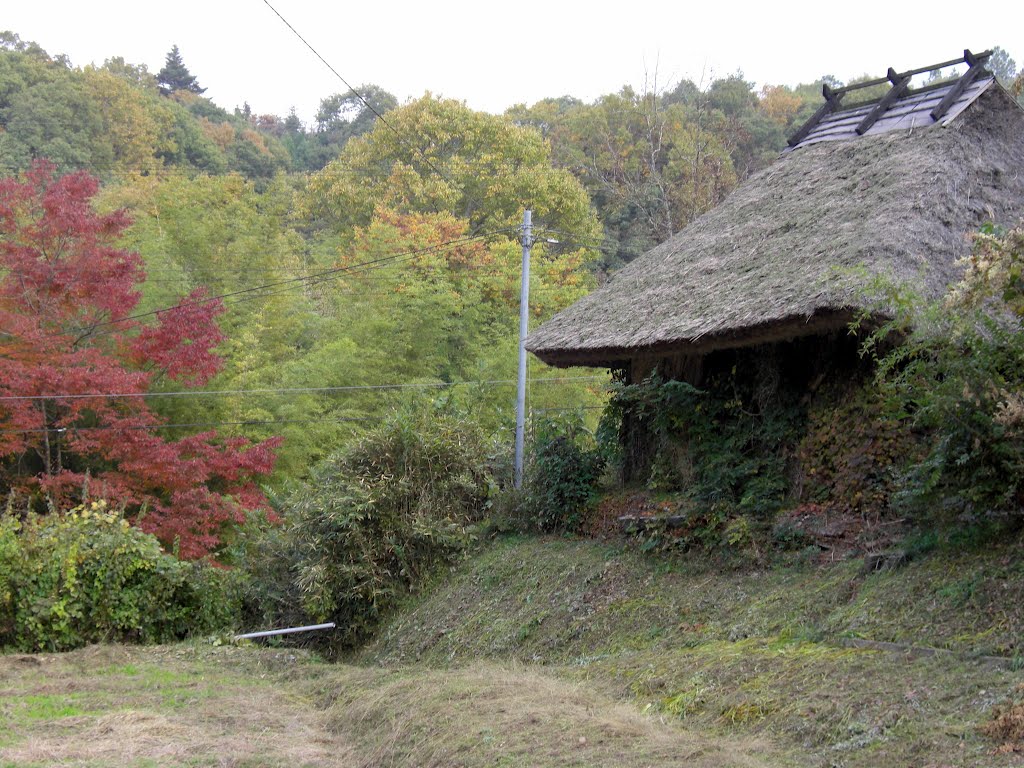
(897, 94)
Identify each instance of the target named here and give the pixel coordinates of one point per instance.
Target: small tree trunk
(46, 440)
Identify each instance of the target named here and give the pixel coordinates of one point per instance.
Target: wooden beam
(900, 84)
(968, 58)
(832, 103)
(900, 87)
(857, 86)
(944, 64)
(960, 86)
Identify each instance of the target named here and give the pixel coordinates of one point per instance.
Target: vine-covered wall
(758, 430)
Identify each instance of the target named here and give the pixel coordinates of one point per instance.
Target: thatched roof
(787, 253)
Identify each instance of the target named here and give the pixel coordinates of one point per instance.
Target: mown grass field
(197, 705)
(555, 652)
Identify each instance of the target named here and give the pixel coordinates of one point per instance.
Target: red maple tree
(74, 363)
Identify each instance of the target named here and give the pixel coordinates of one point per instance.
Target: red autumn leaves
(69, 344)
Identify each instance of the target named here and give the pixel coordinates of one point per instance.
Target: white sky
(493, 55)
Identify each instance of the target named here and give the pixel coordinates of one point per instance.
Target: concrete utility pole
(524, 327)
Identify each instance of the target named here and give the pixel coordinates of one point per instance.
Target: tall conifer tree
(175, 75)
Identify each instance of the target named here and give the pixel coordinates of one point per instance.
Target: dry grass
(181, 705)
(1007, 726)
(201, 706)
(489, 714)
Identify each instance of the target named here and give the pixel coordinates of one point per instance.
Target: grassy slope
(569, 653)
(746, 654)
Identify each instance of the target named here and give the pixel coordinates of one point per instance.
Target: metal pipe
(287, 631)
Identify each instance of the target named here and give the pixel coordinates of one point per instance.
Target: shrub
(374, 521)
(88, 576)
(268, 555)
(958, 377)
(561, 476)
(853, 454)
(9, 551)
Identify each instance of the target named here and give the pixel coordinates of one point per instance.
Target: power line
(185, 278)
(315, 281)
(294, 390)
(305, 281)
(299, 273)
(314, 278)
(193, 171)
(355, 273)
(607, 246)
(139, 427)
(367, 104)
(187, 272)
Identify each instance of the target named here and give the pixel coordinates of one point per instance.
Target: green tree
(545, 115)
(174, 75)
(1002, 66)
(137, 125)
(339, 118)
(439, 155)
(189, 146)
(345, 115)
(222, 233)
(12, 42)
(136, 74)
(56, 120)
(650, 167)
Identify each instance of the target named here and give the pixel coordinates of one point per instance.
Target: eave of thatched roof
(790, 250)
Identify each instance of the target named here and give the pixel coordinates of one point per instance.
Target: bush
(957, 376)
(87, 576)
(373, 522)
(9, 551)
(561, 475)
(853, 454)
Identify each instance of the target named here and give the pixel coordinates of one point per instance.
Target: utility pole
(524, 327)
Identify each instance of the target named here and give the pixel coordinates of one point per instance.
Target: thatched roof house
(887, 187)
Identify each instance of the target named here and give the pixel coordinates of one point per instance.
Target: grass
(178, 705)
(559, 652)
(196, 705)
(559, 599)
(745, 654)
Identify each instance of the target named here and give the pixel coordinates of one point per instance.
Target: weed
(959, 592)
(561, 476)
(746, 712)
(685, 703)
